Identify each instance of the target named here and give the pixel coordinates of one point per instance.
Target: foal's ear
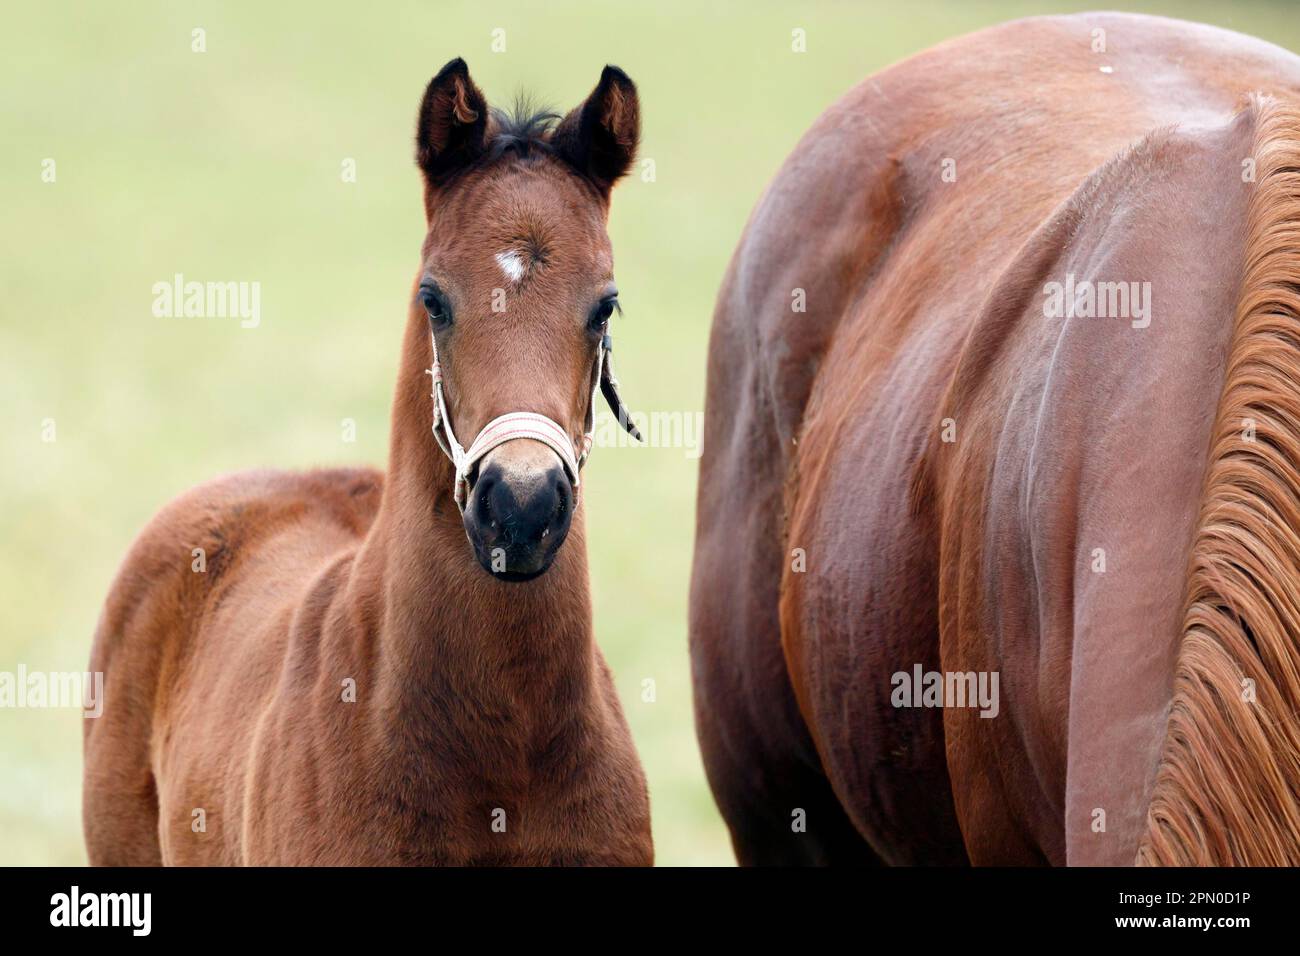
(452, 128)
(599, 137)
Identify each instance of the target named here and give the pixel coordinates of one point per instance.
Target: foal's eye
(601, 314)
(436, 306)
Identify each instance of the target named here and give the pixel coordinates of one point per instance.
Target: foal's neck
(448, 625)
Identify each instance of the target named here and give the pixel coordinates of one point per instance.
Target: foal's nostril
(498, 509)
(563, 496)
(482, 494)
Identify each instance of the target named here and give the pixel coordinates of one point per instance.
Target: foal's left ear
(599, 138)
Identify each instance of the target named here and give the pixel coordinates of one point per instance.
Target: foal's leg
(143, 619)
(119, 793)
(120, 814)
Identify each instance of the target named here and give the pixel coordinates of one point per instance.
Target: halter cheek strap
(515, 425)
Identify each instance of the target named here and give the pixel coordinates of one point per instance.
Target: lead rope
(509, 427)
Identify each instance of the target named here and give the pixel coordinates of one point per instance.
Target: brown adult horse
(342, 684)
(975, 453)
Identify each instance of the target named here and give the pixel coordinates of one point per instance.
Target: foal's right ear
(452, 128)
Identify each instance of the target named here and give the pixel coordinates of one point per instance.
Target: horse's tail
(1227, 789)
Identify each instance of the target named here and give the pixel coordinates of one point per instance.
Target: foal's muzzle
(517, 520)
(516, 517)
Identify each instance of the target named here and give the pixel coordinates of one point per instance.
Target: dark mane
(522, 130)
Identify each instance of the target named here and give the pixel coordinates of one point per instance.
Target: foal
(339, 677)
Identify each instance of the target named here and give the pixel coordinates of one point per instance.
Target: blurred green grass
(226, 165)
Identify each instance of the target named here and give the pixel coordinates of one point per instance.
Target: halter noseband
(515, 425)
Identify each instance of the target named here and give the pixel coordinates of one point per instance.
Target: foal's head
(517, 283)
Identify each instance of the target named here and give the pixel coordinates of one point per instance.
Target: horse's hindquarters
(1005, 382)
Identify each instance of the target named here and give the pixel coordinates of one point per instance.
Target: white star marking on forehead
(512, 264)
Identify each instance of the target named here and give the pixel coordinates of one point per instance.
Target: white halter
(509, 427)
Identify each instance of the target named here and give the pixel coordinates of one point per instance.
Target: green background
(226, 165)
